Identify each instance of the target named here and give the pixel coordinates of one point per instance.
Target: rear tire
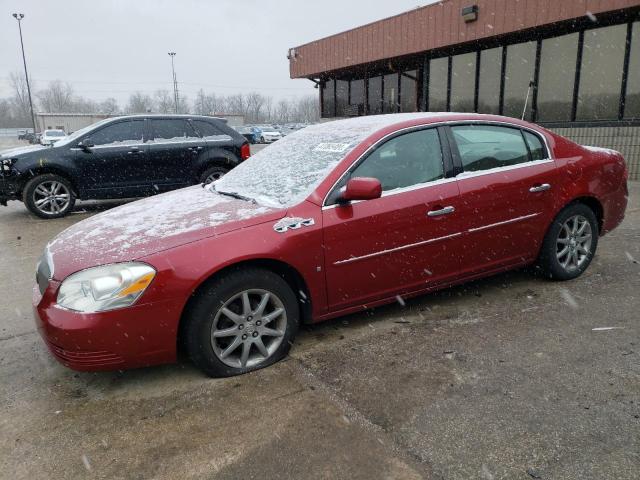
(243, 321)
(212, 174)
(570, 243)
(49, 196)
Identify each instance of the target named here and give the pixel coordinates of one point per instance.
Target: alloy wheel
(212, 177)
(248, 328)
(51, 197)
(573, 244)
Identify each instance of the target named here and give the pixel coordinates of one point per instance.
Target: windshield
(288, 171)
(78, 133)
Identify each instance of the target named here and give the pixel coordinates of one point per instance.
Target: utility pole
(19, 17)
(175, 81)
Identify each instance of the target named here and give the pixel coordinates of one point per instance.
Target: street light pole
(19, 17)
(175, 81)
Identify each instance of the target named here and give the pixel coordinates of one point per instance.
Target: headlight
(105, 288)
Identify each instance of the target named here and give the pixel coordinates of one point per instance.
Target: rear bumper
(138, 336)
(614, 206)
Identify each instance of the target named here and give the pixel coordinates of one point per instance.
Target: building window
(342, 97)
(438, 79)
(408, 91)
(557, 78)
(357, 95)
(521, 59)
(390, 104)
(375, 95)
(490, 79)
(632, 103)
(601, 73)
(463, 82)
(328, 99)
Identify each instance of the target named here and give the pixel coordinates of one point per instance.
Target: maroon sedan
(333, 219)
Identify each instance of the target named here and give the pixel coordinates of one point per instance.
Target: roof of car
(368, 125)
(165, 115)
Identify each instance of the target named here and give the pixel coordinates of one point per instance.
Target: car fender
(213, 155)
(42, 163)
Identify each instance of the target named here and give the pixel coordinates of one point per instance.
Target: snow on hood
(147, 226)
(20, 150)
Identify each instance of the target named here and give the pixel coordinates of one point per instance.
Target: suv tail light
(245, 151)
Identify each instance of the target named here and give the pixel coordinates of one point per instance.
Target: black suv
(123, 157)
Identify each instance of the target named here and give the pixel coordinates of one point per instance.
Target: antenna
(526, 99)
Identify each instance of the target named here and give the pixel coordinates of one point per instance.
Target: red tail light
(245, 151)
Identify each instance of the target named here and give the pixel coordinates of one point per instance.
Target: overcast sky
(111, 48)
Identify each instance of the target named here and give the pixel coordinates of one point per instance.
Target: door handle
(195, 149)
(133, 151)
(442, 211)
(540, 188)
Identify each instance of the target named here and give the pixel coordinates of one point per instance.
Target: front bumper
(133, 337)
(9, 184)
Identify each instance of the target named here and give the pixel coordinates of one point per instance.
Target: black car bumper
(9, 184)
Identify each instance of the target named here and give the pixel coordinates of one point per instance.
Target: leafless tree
(57, 97)
(19, 102)
(164, 101)
(139, 103)
(255, 102)
(109, 106)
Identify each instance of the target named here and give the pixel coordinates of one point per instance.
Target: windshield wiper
(234, 195)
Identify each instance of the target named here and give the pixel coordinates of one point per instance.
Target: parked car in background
(252, 134)
(269, 135)
(49, 137)
(334, 219)
(30, 137)
(122, 157)
(22, 134)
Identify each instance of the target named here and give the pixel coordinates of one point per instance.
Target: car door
(116, 164)
(173, 149)
(506, 191)
(406, 239)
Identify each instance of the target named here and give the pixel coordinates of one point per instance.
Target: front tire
(212, 174)
(244, 321)
(570, 243)
(49, 196)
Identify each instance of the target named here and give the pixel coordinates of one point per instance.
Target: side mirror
(361, 188)
(86, 144)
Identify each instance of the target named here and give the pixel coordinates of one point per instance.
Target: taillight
(245, 151)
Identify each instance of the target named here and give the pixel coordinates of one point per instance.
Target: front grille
(100, 358)
(43, 274)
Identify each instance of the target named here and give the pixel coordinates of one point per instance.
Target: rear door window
(485, 147)
(119, 134)
(206, 129)
(538, 152)
(172, 130)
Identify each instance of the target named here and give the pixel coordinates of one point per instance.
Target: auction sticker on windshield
(331, 147)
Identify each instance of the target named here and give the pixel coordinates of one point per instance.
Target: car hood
(144, 227)
(21, 151)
